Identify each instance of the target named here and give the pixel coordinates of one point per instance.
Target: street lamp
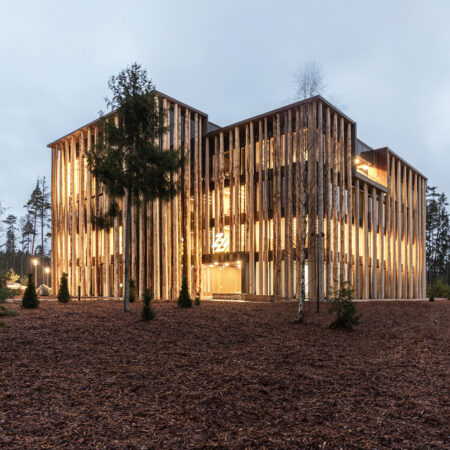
(35, 263)
(47, 271)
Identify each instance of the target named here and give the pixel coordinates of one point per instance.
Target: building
(363, 211)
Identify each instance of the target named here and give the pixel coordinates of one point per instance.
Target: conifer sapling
(30, 299)
(133, 293)
(184, 299)
(63, 293)
(147, 313)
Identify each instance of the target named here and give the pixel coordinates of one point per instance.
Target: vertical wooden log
(196, 208)
(247, 189)
(357, 259)
(277, 209)
(180, 223)
(106, 250)
(207, 199)
(221, 181)
(73, 236)
(416, 247)
(381, 228)
(175, 219)
(156, 250)
(216, 187)
(231, 177)
(266, 209)
(394, 228)
(187, 199)
(141, 210)
(399, 231)
(311, 195)
(424, 212)
(349, 206)
(88, 222)
(149, 246)
(81, 196)
(374, 227)
(260, 192)
(320, 247)
(237, 189)
(96, 233)
(251, 209)
(366, 241)
(53, 218)
(335, 264)
(342, 206)
(288, 170)
(388, 233)
(328, 200)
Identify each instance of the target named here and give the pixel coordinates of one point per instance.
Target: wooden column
(187, 198)
(335, 232)
(277, 210)
(311, 195)
(424, 213)
(289, 204)
(320, 233)
(342, 275)
(328, 200)
(357, 259)
(374, 226)
(106, 250)
(221, 181)
(366, 241)
(156, 252)
(141, 283)
(251, 210)
(416, 246)
(207, 199)
(73, 236)
(261, 255)
(349, 206)
(266, 208)
(381, 228)
(216, 188)
(394, 229)
(81, 196)
(175, 218)
(237, 189)
(388, 217)
(197, 263)
(89, 222)
(399, 231)
(231, 178)
(53, 219)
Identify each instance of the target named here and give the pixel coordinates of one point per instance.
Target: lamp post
(35, 263)
(47, 271)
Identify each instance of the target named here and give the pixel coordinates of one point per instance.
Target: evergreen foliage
(184, 299)
(133, 292)
(147, 313)
(30, 299)
(197, 299)
(438, 289)
(343, 305)
(63, 293)
(128, 157)
(437, 236)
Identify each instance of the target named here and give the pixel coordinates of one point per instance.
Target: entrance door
(222, 279)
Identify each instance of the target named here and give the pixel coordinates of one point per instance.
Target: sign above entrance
(220, 243)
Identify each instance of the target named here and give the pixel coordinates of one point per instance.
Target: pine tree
(147, 313)
(30, 299)
(133, 292)
(63, 293)
(128, 158)
(184, 299)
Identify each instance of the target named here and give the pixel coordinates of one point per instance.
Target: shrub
(438, 289)
(5, 293)
(133, 293)
(197, 299)
(63, 293)
(147, 313)
(184, 299)
(342, 304)
(30, 299)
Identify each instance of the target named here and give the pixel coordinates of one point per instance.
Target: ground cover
(86, 375)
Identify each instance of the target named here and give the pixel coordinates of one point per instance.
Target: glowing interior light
(365, 167)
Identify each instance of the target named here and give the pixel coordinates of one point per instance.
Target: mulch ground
(228, 375)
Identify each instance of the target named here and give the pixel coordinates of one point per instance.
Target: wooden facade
(237, 222)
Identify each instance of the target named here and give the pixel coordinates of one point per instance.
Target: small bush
(184, 299)
(438, 289)
(133, 293)
(342, 304)
(30, 299)
(63, 293)
(197, 299)
(5, 293)
(147, 313)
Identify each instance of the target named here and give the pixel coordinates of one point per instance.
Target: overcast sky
(385, 63)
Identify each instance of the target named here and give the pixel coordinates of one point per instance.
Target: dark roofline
(282, 108)
(167, 97)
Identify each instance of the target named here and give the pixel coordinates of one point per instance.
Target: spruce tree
(343, 305)
(184, 299)
(147, 313)
(63, 293)
(133, 292)
(30, 299)
(128, 157)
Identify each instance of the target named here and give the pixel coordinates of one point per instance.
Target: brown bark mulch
(228, 375)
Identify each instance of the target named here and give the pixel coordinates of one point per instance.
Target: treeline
(27, 238)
